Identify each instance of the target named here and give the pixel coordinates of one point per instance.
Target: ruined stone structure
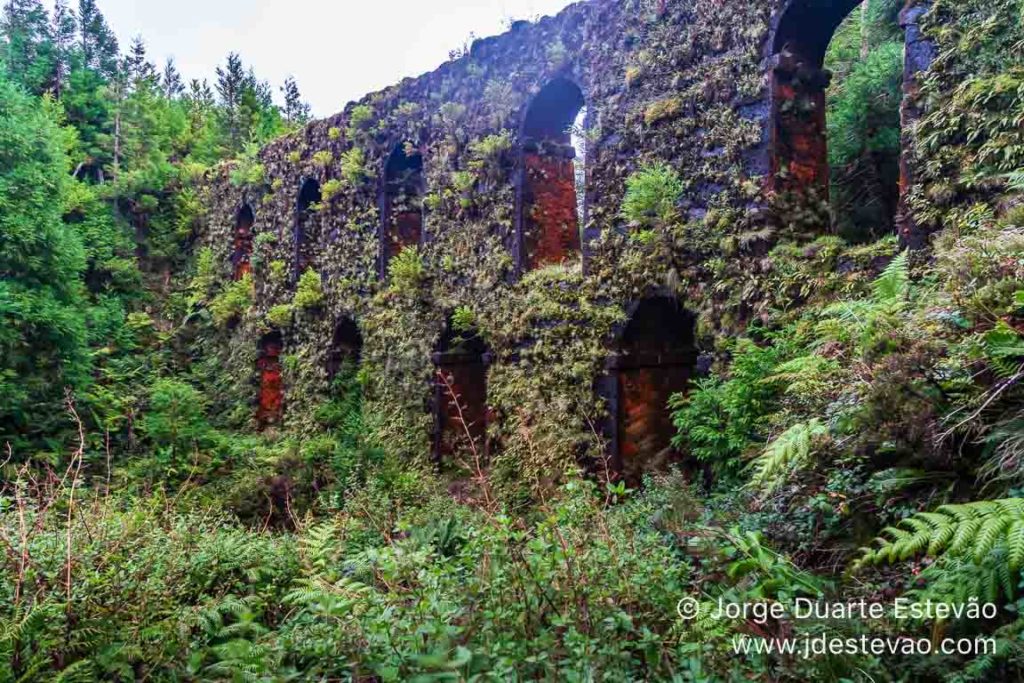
(583, 325)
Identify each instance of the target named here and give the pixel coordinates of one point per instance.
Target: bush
(228, 306)
(309, 293)
(651, 196)
(406, 270)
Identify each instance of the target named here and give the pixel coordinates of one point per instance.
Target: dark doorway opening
(241, 257)
(402, 211)
(346, 349)
(460, 395)
(306, 206)
(270, 402)
(835, 136)
(654, 358)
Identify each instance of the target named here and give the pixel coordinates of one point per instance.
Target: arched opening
(308, 202)
(270, 402)
(654, 357)
(345, 351)
(241, 257)
(460, 394)
(402, 210)
(836, 88)
(548, 213)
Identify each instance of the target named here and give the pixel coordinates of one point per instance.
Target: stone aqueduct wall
(559, 342)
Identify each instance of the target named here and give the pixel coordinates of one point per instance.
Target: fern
(973, 531)
(789, 452)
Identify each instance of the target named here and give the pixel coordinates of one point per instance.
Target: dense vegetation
(141, 540)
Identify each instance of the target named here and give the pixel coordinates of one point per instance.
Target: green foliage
(323, 158)
(863, 117)
(233, 302)
(247, 170)
(330, 189)
(718, 421)
(490, 149)
(309, 293)
(353, 166)
(43, 333)
(280, 316)
(651, 196)
(869, 323)
(175, 423)
(975, 531)
(361, 117)
(662, 110)
(406, 270)
(785, 455)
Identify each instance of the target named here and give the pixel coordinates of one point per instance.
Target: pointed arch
(241, 257)
(461, 360)
(653, 357)
(346, 347)
(547, 211)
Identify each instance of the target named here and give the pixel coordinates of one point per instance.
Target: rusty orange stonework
(551, 231)
(406, 231)
(645, 423)
(800, 132)
(271, 398)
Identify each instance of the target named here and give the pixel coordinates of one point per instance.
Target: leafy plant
(651, 196)
(309, 292)
(785, 455)
(233, 302)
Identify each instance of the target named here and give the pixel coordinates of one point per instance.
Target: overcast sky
(337, 50)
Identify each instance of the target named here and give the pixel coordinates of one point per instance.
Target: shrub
(280, 316)
(309, 293)
(353, 166)
(233, 302)
(330, 189)
(361, 116)
(651, 196)
(406, 270)
(323, 158)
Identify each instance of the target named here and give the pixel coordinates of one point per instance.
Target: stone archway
(460, 361)
(402, 204)
(547, 216)
(653, 357)
(270, 400)
(241, 257)
(305, 207)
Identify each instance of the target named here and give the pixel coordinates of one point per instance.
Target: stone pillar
(920, 52)
(799, 142)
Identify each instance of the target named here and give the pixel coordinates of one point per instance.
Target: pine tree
(138, 70)
(232, 83)
(99, 44)
(42, 320)
(296, 112)
(28, 48)
(171, 83)
(63, 28)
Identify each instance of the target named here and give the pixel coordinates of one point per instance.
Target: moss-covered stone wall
(684, 82)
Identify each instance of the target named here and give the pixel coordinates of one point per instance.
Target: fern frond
(987, 532)
(789, 452)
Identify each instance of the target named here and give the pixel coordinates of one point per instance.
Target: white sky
(337, 51)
